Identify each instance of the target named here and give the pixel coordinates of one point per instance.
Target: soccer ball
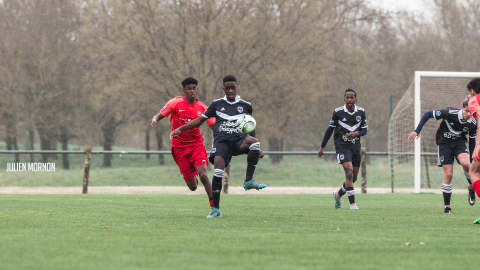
(246, 124)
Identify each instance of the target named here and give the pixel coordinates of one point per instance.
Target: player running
(228, 141)
(349, 123)
(474, 106)
(452, 143)
(188, 150)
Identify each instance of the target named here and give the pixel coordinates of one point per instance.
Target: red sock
(476, 187)
(211, 203)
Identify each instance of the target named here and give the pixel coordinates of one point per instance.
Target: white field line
(200, 190)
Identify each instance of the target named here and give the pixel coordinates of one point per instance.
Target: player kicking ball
(349, 123)
(188, 150)
(452, 143)
(474, 106)
(228, 141)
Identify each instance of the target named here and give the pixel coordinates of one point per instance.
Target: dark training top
(451, 129)
(345, 122)
(227, 113)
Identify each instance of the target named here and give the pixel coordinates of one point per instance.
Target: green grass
(255, 232)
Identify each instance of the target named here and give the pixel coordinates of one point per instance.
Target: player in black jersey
(349, 123)
(452, 143)
(228, 141)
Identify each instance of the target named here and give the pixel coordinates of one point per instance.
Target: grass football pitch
(255, 232)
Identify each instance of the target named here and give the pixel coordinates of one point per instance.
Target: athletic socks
(476, 187)
(252, 160)
(342, 191)
(217, 187)
(210, 200)
(351, 195)
(447, 193)
(468, 177)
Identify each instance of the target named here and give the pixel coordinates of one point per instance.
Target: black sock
(447, 193)
(217, 187)
(252, 160)
(351, 194)
(342, 191)
(468, 177)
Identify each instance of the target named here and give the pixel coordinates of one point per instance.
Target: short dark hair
(189, 80)
(465, 102)
(350, 90)
(229, 78)
(474, 85)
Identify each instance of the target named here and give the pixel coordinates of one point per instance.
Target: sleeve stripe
(204, 116)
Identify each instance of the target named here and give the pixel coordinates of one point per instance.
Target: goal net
(414, 164)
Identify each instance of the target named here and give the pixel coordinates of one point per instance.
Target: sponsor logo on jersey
(359, 118)
(331, 122)
(437, 113)
(344, 119)
(228, 127)
(223, 109)
(181, 110)
(240, 109)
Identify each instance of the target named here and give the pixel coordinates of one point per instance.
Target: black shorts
(348, 154)
(448, 152)
(226, 149)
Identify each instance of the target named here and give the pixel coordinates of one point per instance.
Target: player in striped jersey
(474, 106)
(349, 123)
(188, 150)
(452, 144)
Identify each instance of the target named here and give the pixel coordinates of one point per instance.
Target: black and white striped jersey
(452, 129)
(226, 114)
(345, 122)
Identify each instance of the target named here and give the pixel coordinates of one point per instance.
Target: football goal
(414, 164)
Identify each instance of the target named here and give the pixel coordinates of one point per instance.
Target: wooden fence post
(86, 168)
(364, 169)
(226, 177)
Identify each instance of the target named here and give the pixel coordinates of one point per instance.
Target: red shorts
(188, 158)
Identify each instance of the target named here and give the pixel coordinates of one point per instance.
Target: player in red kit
(474, 106)
(188, 150)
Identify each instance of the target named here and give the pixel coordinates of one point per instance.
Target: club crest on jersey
(240, 109)
(359, 118)
(437, 113)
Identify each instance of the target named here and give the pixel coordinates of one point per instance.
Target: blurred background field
(137, 170)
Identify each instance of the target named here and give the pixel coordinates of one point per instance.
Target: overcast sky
(421, 7)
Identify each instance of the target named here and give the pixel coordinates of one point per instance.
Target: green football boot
(477, 221)
(252, 184)
(215, 213)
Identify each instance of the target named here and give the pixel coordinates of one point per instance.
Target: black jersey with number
(452, 129)
(226, 114)
(345, 122)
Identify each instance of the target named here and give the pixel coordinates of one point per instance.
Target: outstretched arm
(326, 137)
(156, 119)
(416, 133)
(192, 124)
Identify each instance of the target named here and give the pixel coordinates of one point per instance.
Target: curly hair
(474, 85)
(229, 78)
(189, 80)
(350, 90)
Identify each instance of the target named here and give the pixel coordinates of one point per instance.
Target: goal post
(431, 90)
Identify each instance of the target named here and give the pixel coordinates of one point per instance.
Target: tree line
(84, 71)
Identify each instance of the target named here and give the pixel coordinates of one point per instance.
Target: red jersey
(181, 113)
(474, 105)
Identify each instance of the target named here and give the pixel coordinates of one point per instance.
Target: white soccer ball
(246, 124)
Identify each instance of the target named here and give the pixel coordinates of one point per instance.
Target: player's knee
(193, 188)
(349, 174)
(448, 175)
(203, 176)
